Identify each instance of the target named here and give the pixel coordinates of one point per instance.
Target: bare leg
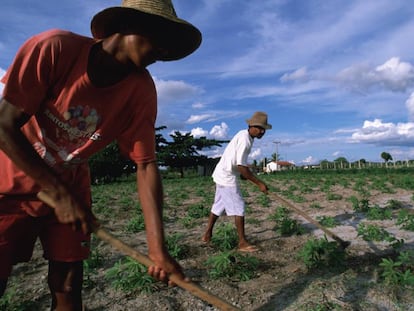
(209, 232)
(65, 283)
(244, 245)
(239, 222)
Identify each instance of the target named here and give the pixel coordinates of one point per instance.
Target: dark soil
(282, 281)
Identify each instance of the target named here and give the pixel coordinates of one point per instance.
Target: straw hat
(259, 119)
(157, 17)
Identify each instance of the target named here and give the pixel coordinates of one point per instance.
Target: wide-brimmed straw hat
(259, 119)
(178, 37)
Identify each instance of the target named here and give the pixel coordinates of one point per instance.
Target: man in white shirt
(232, 164)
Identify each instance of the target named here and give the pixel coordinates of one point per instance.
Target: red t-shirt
(71, 118)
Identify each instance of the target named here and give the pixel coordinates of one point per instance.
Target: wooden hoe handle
(342, 243)
(125, 249)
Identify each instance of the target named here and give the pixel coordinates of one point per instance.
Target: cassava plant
(232, 265)
(318, 253)
(130, 276)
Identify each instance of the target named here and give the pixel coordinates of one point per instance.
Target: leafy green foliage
(399, 272)
(327, 221)
(198, 211)
(175, 248)
(333, 196)
(279, 214)
(108, 164)
(394, 204)
(377, 213)
(130, 276)
(263, 200)
(315, 205)
(370, 232)
(285, 225)
(136, 224)
(405, 220)
(288, 226)
(317, 253)
(11, 302)
(359, 205)
(90, 265)
(183, 151)
(225, 237)
(232, 265)
(386, 156)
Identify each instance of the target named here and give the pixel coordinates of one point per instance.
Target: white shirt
(236, 153)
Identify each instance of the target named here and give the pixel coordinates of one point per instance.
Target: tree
(341, 160)
(276, 157)
(324, 163)
(183, 151)
(160, 141)
(108, 164)
(386, 156)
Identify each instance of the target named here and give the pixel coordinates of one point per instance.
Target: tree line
(181, 152)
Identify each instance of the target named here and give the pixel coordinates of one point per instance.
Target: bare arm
(16, 146)
(246, 173)
(151, 198)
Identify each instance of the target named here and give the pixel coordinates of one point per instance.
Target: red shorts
(19, 232)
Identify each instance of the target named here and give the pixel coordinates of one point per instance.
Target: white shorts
(229, 200)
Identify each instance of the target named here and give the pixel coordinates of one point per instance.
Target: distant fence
(359, 165)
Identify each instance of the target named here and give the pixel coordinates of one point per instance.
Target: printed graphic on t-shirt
(64, 136)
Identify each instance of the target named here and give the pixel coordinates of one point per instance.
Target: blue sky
(336, 77)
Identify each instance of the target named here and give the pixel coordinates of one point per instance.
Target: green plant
(198, 211)
(10, 301)
(377, 213)
(129, 276)
(399, 272)
(315, 206)
(188, 222)
(359, 205)
(175, 248)
(90, 265)
(317, 253)
(327, 221)
(263, 200)
(284, 224)
(371, 232)
(279, 214)
(136, 223)
(333, 196)
(288, 226)
(394, 204)
(225, 237)
(324, 305)
(405, 220)
(233, 265)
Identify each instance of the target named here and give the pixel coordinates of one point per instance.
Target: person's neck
(104, 67)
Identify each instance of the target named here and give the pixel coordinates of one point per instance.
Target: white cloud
(410, 107)
(309, 160)
(198, 132)
(379, 133)
(199, 118)
(171, 91)
(256, 154)
(2, 72)
(198, 105)
(393, 75)
(300, 74)
(219, 132)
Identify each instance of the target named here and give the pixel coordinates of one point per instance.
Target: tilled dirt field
(282, 282)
